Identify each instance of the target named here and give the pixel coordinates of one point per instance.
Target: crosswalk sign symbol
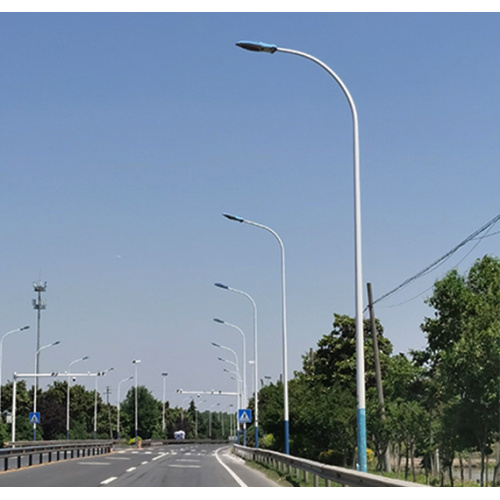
(245, 416)
(34, 417)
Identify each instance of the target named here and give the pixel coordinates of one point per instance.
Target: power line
(442, 259)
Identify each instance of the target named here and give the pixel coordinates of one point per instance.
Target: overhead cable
(440, 260)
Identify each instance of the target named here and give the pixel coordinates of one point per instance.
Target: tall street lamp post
(360, 360)
(256, 388)
(283, 321)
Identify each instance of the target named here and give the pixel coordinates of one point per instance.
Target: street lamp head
(215, 344)
(23, 328)
(56, 342)
(233, 217)
(220, 285)
(258, 46)
(136, 361)
(217, 320)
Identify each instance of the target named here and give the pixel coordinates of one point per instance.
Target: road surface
(182, 465)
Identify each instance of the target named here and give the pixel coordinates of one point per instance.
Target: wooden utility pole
(378, 373)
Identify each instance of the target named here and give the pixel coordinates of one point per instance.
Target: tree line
(153, 422)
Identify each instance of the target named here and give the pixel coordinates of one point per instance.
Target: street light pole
(283, 320)
(164, 375)
(1, 356)
(67, 393)
(217, 320)
(360, 360)
(118, 406)
(256, 387)
(36, 380)
(136, 362)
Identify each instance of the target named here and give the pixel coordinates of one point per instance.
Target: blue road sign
(34, 417)
(245, 416)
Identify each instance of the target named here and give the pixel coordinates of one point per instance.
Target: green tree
(82, 403)
(149, 413)
(24, 405)
(463, 354)
(332, 366)
(51, 404)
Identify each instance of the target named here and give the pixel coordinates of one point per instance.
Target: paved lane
(163, 466)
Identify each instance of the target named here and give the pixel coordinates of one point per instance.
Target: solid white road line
(234, 476)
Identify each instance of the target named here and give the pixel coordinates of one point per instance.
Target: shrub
(267, 442)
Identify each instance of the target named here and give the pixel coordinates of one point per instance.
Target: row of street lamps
(68, 375)
(360, 368)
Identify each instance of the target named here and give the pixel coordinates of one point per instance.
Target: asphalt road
(193, 465)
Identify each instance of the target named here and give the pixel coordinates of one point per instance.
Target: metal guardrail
(329, 473)
(23, 454)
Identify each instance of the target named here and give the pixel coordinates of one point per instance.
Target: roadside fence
(26, 454)
(302, 469)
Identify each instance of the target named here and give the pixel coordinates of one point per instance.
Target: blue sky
(124, 137)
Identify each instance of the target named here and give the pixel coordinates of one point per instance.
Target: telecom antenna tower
(39, 305)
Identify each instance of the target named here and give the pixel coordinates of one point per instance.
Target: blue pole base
(361, 440)
(287, 438)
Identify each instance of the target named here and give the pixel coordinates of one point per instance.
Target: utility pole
(39, 305)
(378, 373)
(108, 392)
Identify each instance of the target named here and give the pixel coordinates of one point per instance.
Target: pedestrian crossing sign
(34, 417)
(245, 416)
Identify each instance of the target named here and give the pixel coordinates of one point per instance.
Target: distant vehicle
(179, 435)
